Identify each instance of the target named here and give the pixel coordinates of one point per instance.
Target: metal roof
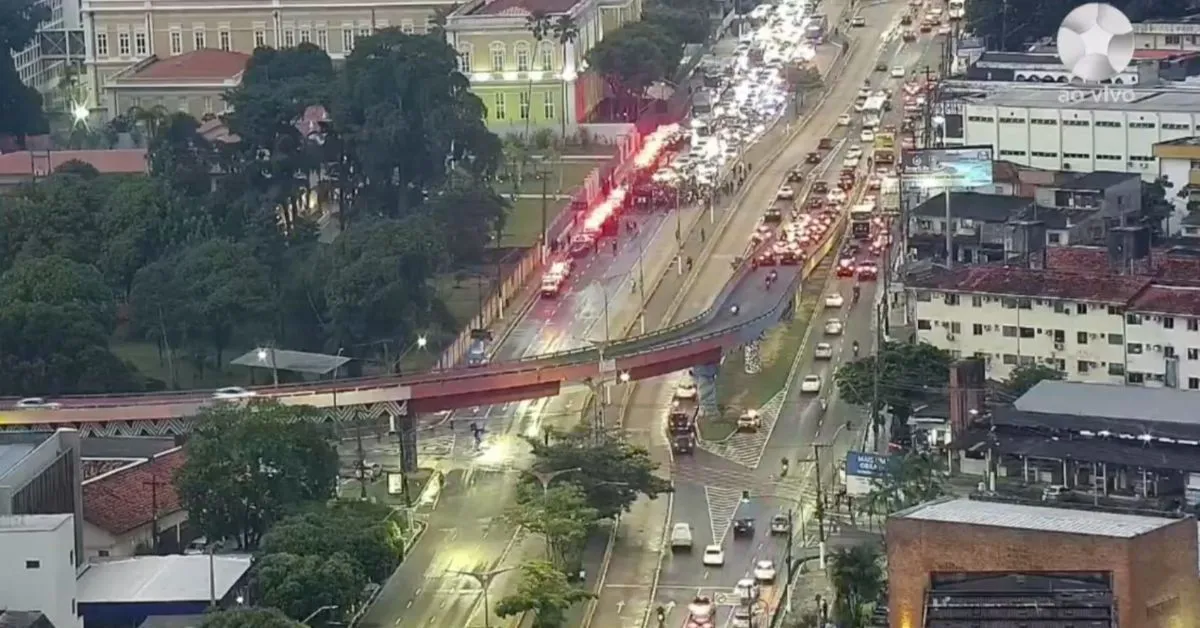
(1035, 518)
(11, 455)
(1049, 97)
(33, 523)
(174, 578)
(1162, 405)
(285, 360)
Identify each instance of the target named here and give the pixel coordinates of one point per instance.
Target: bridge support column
(752, 357)
(706, 387)
(404, 426)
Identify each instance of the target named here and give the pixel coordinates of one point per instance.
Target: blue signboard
(865, 465)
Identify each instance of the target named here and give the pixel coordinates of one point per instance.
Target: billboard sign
(861, 469)
(933, 170)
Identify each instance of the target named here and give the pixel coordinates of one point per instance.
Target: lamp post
(545, 478)
(267, 356)
(318, 612)
(484, 578)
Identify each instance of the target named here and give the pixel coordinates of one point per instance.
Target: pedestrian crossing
(722, 507)
(746, 448)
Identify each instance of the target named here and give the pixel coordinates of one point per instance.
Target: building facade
(39, 565)
(120, 33)
(1179, 163)
(41, 474)
(193, 83)
(528, 84)
(38, 69)
(135, 509)
(1167, 35)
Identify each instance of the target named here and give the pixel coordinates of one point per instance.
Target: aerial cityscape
(600, 314)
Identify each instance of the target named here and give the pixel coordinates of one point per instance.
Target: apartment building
(1071, 310)
(39, 566)
(1181, 34)
(1179, 163)
(530, 84)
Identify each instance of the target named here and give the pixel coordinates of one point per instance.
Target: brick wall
(1154, 576)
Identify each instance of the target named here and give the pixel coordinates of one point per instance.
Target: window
(955, 328)
(102, 553)
(1114, 310)
(1081, 308)
(1025, 304)
(1193, 324)
(198, 38)
(1010, 331)
(465, 60)
(1194, 383)
(347, 39)
(523, 108)
(176, 42)
(141, 47)
(1062, 308)
(1116, 339)
(924, 324)
(305, 34)
(1009, 304)
(225, 40)
(548, 105)
(289, 38)
(1135, 378)
(1133, 319)
(498, 102)
(1010, 359)
(1168, 322)
(924, 296)
(546, 56)
(260, 35)
(521, 51)
(976, 329)
(1081, 337)
(101, 44)
(1171, 40)
(208, 104)
(1193, 353)
(951, 299)
(323, 38)
(123, 45)
(1116, 368)
(1027, 332)
(364, 31)
(1060, 336)
(1168, 351)
(33, 564)
(497, 50)
(1134, 348)
(1082, 366)
(976, 301)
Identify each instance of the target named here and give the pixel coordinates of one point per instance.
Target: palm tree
(540, 27)
(858, 580)
(565, 33)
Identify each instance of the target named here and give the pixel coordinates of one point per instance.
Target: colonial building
(193, 82)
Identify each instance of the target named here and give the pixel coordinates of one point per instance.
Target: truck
(681, 425)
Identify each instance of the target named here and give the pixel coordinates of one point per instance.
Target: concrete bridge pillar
(706, 387)
(752, 357)
(404, 426)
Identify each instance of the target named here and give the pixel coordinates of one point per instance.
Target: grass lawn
(737, 390)
(144, 356)
(524, 224)
(594, 149)
(562, 178)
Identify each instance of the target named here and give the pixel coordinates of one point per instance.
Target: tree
(1007, 24)
(858, 580)
(1156, 208)
(470, 211)
(59, 282)
(907, 373)
(178, 153)
(48, 350)
(685, 24)
(633, 58)
(1027, 376)
(539, 24)
(299, 585)
(247, 464)
(361, 531)
(544, 591)
(21, 104)
(911, 478)
(249, 618)
(560, 514)
(58, 216)
(612, 472)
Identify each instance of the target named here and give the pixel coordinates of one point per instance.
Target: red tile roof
(95, 468)
(199, 66)
(1159, 299)
(123, 500)
(1027, 282)
(524, 7)
(27, 164)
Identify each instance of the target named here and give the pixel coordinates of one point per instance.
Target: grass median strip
(738, 390)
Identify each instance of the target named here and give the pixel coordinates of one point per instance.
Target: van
(681, 536)
(1054, 493)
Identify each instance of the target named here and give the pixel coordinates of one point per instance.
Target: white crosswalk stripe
(722, 506)
(746, 448)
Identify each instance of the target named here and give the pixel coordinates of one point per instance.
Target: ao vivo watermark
(1103, 94)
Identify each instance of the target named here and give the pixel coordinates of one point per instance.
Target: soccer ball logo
(1095, 42)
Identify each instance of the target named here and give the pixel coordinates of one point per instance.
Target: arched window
(545, 56)
(497, 51)
(521, 51)
(466, 58)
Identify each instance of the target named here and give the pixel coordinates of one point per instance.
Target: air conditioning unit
(1093, 336)
(1158, 348)
(987, 328)
(1058, 346)
(950, 337)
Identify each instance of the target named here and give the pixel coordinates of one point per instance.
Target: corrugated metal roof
(1036, 518)
(161, 579)
(1110, 401)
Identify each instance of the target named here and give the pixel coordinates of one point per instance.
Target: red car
(868, 271)
(845, 268)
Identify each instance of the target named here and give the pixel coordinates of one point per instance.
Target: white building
(37, 566)
(1167, 35)
(1179, 163)
(1094, 326)
(38, 70)
(1030, 125)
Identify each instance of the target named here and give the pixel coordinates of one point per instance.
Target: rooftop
(24, 619)
(1168, 405)
(519, 7)
(173, 578)
(1035, 518)
(1097, 180)
(33, 523)
(42, 163)
(1047, 97)
(199, 67)
(1163, 299)
(124, 499)
(123, 447)
(974, 206)
(286, 360)
(1019, 58)
(1181, 141)
(173, 621)
(1015, 281)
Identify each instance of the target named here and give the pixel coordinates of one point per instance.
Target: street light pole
(820, 503)
(318, 612)
(484, 578)
(546, 477)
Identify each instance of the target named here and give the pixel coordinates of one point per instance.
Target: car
(743, 617)
(909, 36)
(749, 421)
(898, 71)
(820, 187)
(681, 536)
(701, 607)
(867, 135)
(743, 527)
(858, 21)
(686, 388)
(823, 351)
(762, 233)
(881, 67)
(926, 27)
(781, 524)
(233, 392)
(795, 175)
(868, 271)
(36, 403)
(943, 30)
(855, 151)
(764, 571)
(833, 327)
(844, 119)
(834, 300)
(747, 590)
(812, 158)
(825, 143)
(772, 215)
(850, 162)
(859, 106)
(837, 196)
(810, 384)
(845, 268)
(714, 556)
(785, 193)
(767, 258)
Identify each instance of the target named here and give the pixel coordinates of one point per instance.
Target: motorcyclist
(783, 466)
(734, 309)
(824, 404)
(857, 290)
(855, 348)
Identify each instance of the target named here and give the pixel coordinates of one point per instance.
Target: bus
(956, 9)
(860, 220)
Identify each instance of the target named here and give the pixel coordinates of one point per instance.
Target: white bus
(874, 105)
(956, 9)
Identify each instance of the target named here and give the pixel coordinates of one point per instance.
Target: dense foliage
(1008, 24)
(21, 104)
(897, 377)
(219, 249)
(248, 618)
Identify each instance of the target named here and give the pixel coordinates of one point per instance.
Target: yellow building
(530, 84)
(121, 33)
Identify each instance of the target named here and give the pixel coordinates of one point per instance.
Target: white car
(785, 193)
(833, 327)
(686, 388)
(859, 107)
(233, 392)
(742, 617)
(898, 72)
(764, 571)
(810, 384)
(944, 30)
(701, 607)
(36, 403)
(844, 119)
(858, 21)
(834, 300)
(855, 152)
(823, 351)
(714, 556)
(867, 135)
(850, 162)
(836, 196)
(746, 589)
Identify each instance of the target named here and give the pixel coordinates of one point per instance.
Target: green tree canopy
(248, 464)
(249, 618)
(561, 515)
(299, 585)
(635, 56)
(858, 580)
(907, 373)
(363, 532)
(50, 350)
(1027, 376)
(1008, 24)
(544, 591)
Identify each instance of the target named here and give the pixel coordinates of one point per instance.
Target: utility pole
(361, 463)
(820, 503)
(545, 201)
(788, 583)
(154, 483)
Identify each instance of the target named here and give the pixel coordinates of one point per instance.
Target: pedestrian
(702, 235)
(689, 264)
(614, 246)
